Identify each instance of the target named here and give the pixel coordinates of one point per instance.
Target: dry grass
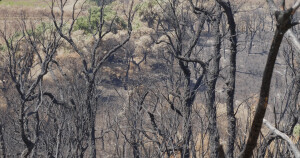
(71, 61)
(22, 3)
(3, 104)
(12, 11)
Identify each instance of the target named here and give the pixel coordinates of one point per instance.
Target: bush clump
(296, 131)
(90, 22)
(147, 11)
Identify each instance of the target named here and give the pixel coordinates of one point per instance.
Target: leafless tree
(284, 23)
(28, 51)
(230, 92)
(93, 58)
(185, 52)
(288, 114)
(185, 103)
(184, 55)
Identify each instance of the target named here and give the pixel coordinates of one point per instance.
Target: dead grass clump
(3, 104)
(70, 64)
(115, 71)
(142, 31)
(68, 59)
(202, 142)
(142, 45)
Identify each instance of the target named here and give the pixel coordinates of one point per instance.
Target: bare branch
(296, 6)
(283, 136)
(292, 38)
(54, 100)
(282, 5)
(203, 65)
(272, 5)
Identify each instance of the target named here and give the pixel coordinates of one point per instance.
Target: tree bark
(231, 78)
(188, 102)
(2, 145)
(264, 95)
(28, 143)
(212, 77)
(91, 116)
(283, 24)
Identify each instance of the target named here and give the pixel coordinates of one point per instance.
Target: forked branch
(283, 136)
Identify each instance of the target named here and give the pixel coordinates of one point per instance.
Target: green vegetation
(296, 131)
(90, 22)
(146, 11)
(41, 28)
(145, 6)
(2, 48)
(27, 3)
(137, 24)
(38, 31)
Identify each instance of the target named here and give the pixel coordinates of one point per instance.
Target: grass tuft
(21, 3)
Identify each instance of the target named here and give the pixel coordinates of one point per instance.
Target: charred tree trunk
(187, 110)
(264, 95)
(135, 143)
(91, 116)
(2, 145)
(292, 115)
(212, 76)
(28, 143)
(231, 78)
(284, 23)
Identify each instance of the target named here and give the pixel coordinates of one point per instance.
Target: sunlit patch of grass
(26, 3)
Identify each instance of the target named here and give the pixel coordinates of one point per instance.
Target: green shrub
(2, 48)
(27, 3)
(147, 12)
(43, 27)
(296, 131)
(89, 23)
